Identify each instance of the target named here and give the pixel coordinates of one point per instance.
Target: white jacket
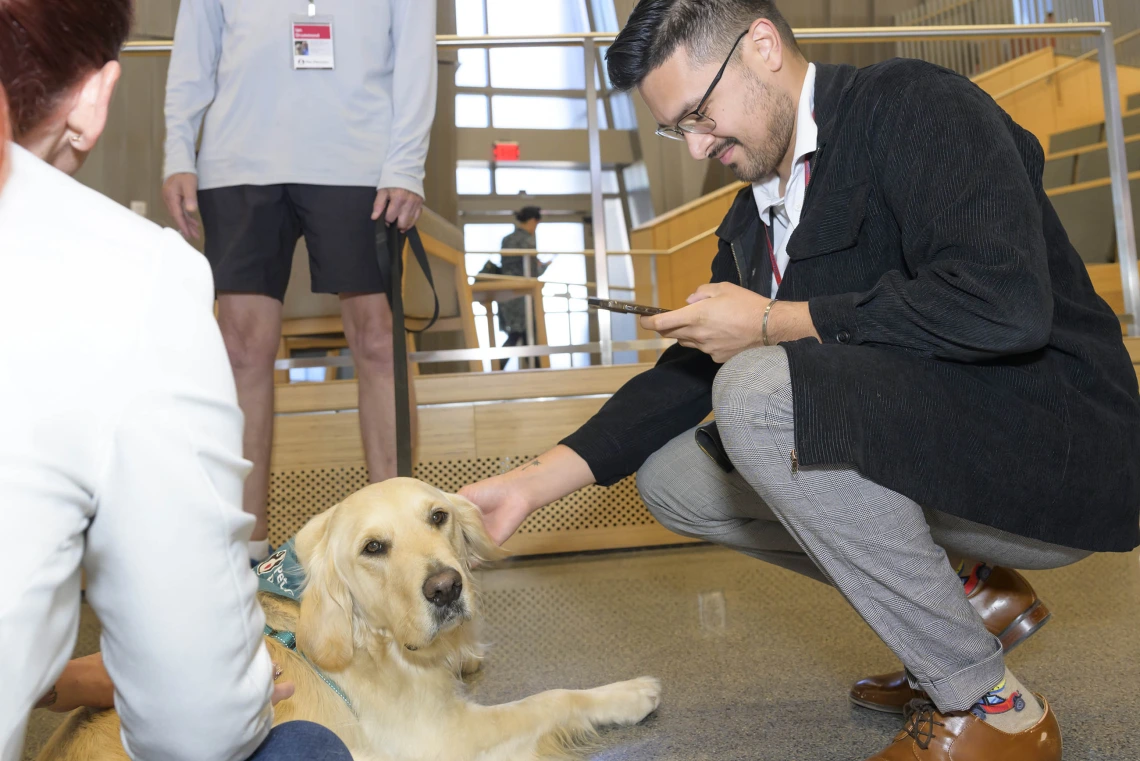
(120, 453)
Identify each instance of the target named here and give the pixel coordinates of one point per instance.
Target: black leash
(389, 253)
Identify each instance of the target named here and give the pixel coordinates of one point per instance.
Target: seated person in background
(917, 387)
(121, 445)
(512, 314)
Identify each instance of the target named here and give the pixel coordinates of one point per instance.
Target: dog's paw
(625, 703)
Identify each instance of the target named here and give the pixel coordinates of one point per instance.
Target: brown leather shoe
(934, 736)
(1010, 610)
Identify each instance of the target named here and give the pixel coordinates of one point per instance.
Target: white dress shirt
(121, 455)
(364, 123)
(790, 205)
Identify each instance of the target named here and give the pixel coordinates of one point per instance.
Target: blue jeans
(301, 741)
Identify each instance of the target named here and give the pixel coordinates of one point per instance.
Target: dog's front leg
(550, 723)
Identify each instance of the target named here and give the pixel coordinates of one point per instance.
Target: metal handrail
(1063, 67)
(824, 36)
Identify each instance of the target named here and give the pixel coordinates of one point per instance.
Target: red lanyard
(771, 236)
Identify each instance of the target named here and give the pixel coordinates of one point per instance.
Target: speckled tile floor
(756, 661)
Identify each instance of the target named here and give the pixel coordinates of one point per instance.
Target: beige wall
(155, 18)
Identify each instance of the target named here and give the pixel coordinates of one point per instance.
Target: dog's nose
(443, 588)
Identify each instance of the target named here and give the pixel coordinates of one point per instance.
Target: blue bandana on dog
(281, 573)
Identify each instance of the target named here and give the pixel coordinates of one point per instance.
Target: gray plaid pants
(884, 553)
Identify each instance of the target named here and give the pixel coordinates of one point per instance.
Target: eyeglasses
(696, 123)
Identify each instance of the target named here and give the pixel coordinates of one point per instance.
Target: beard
(774, 109)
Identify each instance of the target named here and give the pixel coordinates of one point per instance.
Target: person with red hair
(121, 453)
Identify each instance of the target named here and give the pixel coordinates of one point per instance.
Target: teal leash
(289, 640)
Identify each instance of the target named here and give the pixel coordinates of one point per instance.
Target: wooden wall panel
(691, 268)
(529, 427)
(319, 440)
(1063, 102)
(686, 222)
(447, 433)
(316, 441)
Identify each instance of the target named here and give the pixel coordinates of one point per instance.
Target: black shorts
(252, 231)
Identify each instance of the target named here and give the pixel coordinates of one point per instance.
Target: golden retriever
(389, 613)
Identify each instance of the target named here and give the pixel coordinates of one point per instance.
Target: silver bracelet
(764, 328)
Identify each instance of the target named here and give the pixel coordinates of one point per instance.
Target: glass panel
(617, 237)
(541, 181)
(471, 111)
(605, 17)
(484, 238)
(524, 112)
(637, 189)
(472, 180)
(511, 181)
(563, 236)
(580, 334)
(525, 16)
(624, 329)
(538, 68)
(469, 18)
(558, 334)
(625, 117)
(472, 71)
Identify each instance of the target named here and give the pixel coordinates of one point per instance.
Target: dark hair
(47, 47)
(527, 213)
(656, 28)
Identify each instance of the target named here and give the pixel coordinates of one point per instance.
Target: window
(470, 18)
(471, 111)
(472, 71)
(538, 68)
(534, 112)
(530, 17)
(625, 117)
(473, 180)
(512, 181)
(484, 238)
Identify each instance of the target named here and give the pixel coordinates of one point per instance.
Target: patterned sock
(972, 574)
(258, 550)
(1009, 706)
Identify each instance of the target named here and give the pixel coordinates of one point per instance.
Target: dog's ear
(479, 547)
(324, 630)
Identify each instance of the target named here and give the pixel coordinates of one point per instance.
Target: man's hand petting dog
(504, 506)
(722, 320)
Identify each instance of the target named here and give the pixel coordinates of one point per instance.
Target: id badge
(312, 42)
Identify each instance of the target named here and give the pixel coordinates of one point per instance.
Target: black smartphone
(624, 307)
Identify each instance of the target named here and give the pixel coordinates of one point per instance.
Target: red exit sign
(505, 152)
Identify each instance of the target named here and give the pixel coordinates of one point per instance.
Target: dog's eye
(439, 517)
(375, 548)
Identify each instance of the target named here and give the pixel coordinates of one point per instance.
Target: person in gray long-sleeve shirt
(320, 144)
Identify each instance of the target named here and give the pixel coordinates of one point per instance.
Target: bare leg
(368, 327)
(251, 328)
